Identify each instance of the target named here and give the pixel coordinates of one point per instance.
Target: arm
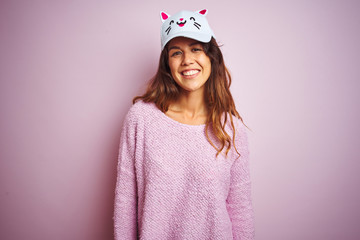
(125, 209)
(239, 203)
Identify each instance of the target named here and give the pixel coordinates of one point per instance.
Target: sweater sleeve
(239, 203)
(125, 209)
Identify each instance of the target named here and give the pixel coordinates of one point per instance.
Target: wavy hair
(162, 90)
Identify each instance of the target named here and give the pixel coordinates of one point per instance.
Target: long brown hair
(163, 90)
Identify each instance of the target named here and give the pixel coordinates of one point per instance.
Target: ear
(203, 12)
(164, 16)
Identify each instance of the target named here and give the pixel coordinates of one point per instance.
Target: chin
(191, 89)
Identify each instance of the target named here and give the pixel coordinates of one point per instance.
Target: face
(190, 66)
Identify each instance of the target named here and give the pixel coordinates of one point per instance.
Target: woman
(183, 169)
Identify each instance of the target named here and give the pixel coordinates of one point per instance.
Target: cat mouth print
(181, 23)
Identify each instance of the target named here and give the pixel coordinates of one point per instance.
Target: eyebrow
(191, 44)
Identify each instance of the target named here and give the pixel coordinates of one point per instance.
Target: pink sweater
(170, 185)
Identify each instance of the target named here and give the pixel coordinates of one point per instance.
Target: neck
(190, 105)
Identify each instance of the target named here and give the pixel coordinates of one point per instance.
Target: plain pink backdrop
(68, 72)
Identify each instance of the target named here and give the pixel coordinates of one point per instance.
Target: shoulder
(140, 111)
(241, 135)
(142, 108)
(240, 127)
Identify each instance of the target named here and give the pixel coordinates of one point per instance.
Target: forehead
(182, 41)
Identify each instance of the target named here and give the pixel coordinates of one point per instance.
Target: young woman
(183, 170)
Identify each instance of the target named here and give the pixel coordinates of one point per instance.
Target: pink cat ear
(203, 12)
(164, 16)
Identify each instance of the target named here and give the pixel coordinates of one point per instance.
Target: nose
(181, 19)
(187, 59)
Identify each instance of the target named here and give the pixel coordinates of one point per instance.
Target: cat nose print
(181, 19)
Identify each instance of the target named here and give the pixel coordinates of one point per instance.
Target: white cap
(185, 24)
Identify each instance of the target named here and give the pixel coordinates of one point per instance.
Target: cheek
(205, 61)
(173, 68)
(208, 68)
(173, 72)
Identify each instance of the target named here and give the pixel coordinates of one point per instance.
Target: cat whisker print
(197, 25)
(168, 30)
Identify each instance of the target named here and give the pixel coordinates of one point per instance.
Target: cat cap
(185, 24)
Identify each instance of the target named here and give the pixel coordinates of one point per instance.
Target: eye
(172, 21)
(196, 49)
(192, 18)
(176, 53)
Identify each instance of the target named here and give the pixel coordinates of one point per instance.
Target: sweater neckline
(177, 123)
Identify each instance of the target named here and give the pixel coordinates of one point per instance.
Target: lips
(189, 73)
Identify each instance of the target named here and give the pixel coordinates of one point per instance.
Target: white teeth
(191, 72)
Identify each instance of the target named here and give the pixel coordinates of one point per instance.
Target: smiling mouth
(190, 72)
(181, 24)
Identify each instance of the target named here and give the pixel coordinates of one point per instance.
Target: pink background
(69, 70)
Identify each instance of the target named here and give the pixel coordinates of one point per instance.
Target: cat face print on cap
(185, 24)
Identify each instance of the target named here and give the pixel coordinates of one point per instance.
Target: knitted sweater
(171, 185)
